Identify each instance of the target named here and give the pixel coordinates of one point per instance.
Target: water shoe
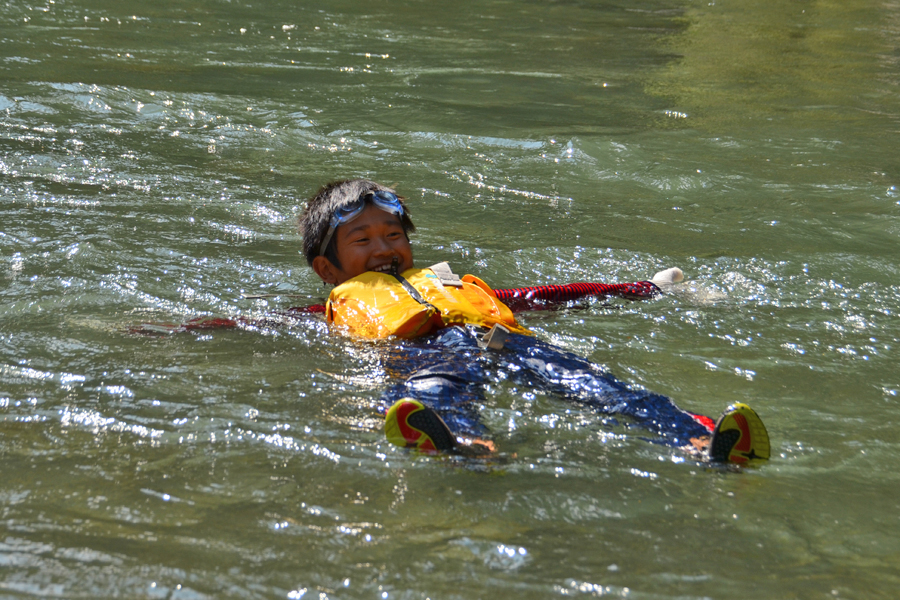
(739, 436)
(410, 424)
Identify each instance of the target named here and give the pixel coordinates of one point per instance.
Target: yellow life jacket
(378, 305)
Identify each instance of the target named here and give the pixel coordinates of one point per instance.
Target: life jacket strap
(414, 293)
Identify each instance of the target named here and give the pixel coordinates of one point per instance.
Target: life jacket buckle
(495, 338)
(446, 274)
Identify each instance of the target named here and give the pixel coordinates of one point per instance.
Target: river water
(155, 157)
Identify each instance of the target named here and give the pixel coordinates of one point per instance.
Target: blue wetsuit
(447, 371)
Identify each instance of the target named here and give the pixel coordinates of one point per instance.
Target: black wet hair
(316, 216)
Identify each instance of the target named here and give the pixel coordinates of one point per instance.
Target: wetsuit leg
(445, 373)
(540, 365)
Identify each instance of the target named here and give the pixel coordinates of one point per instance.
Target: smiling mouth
(393, 268)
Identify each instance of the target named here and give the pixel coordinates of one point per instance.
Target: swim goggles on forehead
(386, 201)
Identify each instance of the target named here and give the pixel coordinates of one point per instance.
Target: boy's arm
(527, 298)
(276, 319)
(517, 299)
(536, 297)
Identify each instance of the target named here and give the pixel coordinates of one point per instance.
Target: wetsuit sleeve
(198, 324)
(527, 298)
(273, 321)
(306, 310)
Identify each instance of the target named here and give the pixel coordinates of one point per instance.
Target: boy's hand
(668, 278)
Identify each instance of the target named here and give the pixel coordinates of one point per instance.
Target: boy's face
(369, 242)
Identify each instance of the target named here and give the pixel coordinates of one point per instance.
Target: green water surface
(154, 158)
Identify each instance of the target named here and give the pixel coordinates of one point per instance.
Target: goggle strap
(390, 204)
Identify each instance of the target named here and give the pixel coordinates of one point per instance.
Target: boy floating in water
(356, 237)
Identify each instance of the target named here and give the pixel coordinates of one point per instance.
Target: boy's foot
(411, 424)
(739, 436)
(475, 447)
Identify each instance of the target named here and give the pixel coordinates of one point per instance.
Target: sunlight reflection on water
(155, 159)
